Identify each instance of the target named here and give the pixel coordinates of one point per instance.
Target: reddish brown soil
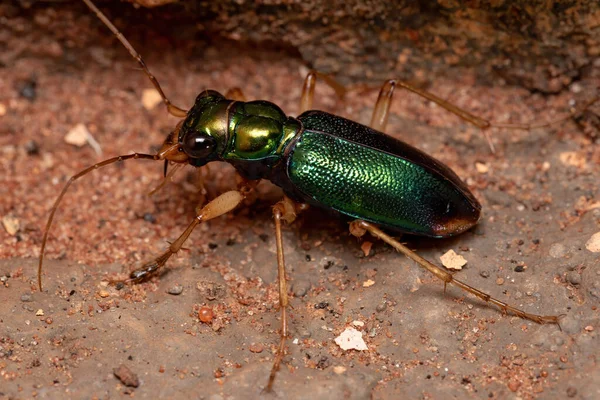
(540, 194)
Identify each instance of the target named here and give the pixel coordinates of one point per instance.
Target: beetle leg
(308, 89)
(285, 210)
(217, 207)
(379, 119)
(359, 228)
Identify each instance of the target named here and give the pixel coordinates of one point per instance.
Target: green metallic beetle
(330, 162)
(318, 159)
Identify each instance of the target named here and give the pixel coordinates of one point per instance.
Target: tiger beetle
(321, 160)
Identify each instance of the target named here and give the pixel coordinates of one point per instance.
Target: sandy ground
(541, 207)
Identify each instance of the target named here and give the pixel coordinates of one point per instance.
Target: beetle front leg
(286, 210)
(359, 227)
(217, 207)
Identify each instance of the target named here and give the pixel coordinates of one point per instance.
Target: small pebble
(453, 261)
(381, 306)
(593, 244)
(150, 98)
(574, 278)
(39, 313)
(32, 148)
(301, 287)
(126, 376)
(256, 348)
(500, 281)
(103, 293)
(339, 369)
(368, 283)
(175, 290)
(484, 274)
(514, 385)
(11, 224)
(205, 314)
(49, 320)
(571, 391)
(148, 217)
(351, 339)
(26, 297)
(28, 90)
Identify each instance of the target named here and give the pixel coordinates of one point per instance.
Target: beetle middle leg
(217, 207)
(359, 228)
(285, 210)
(308, 89)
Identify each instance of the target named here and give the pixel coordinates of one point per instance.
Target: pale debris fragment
(39, 313)
(572, 159)
(368, 283)
(482, 168)
(11, 224)
(80, 135)
(358, 323)
(593, 244)
(454, 261)
(351, 339)
(339, 369)
(150, 98)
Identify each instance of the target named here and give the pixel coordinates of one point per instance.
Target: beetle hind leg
(359, 228)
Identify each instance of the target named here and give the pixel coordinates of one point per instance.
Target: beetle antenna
(73, 179)
(171, 108)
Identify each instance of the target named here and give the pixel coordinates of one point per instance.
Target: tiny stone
(339, 369)
(126, 376)
(32, 148)
(11, 224)
(150, 98)
(49, 320)
(571, 391)
(205, 314)
(175, 290)
(484, 274)
(301, 287)
(28, 90)
(519, 268)
(574, 278)
(500, 281)
(514, 385)
(256, 348)
(103, 294)
(381, 306)
(593, 244)
(26, 297)
(39, 313)
(148, 217)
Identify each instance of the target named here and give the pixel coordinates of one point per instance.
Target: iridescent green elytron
(331, 162)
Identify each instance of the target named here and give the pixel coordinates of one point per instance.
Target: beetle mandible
(321, 160)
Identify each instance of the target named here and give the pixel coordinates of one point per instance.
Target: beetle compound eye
(199, 146)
